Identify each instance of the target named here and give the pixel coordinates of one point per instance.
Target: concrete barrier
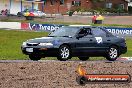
(10, 25)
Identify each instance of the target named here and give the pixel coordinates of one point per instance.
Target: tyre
(83, 58)
(19, 14)
(81, 80)
(113, 53)
(29, 17)
(34, 57)
(64, 53)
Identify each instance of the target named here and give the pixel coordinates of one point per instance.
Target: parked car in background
(37, 13)
(81, 42)
(19, 14)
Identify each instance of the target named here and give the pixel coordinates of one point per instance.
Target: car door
(85, 44)
(102, 41)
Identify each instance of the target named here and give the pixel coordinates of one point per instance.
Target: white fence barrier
(10, 25)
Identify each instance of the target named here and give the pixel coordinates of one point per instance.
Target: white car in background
(37, 13)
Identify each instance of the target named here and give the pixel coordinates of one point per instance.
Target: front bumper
(50, 52)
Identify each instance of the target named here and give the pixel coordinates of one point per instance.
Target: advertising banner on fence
(40, 27)
(44, 27)
(25, 26)
(120, 31)
(51, 27)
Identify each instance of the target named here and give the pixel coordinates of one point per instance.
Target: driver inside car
(85, 32)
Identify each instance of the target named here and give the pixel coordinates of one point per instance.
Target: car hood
(47, 39)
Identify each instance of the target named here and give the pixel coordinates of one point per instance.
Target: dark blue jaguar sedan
(81, 42)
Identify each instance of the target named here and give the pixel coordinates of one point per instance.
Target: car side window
(86, 31)
(99, 33)
(82, 31)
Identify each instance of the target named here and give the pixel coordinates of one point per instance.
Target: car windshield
(64, 32)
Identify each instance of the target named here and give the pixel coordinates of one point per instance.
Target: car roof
(81, 27)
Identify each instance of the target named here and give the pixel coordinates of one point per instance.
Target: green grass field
(11, 40)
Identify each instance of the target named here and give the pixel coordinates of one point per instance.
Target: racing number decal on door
(99, 39)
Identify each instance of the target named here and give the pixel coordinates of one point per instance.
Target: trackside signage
(52, 27)
(44, 27)
(120, 31)
(84, 78)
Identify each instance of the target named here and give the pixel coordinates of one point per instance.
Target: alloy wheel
(64, 53)
(113, 53)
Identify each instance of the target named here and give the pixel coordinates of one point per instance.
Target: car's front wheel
(34, 57)
(112, 53)
(83, 58)
(64, 53)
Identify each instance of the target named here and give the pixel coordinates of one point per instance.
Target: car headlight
(46, 44)
(24, 43)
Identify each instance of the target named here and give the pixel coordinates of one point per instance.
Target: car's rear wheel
(34, 57)
(112, 53)
(83, 58)
(64, 53)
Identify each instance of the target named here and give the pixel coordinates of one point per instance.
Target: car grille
(32, 44)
